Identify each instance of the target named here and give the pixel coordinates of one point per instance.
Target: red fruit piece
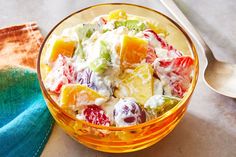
(172, 52)
(58, 87)
(150, 34)
(127, 112)
(156, 41)
(96, 115)
(63, 72)
(176, 72)
(151, 55)
(102, 21)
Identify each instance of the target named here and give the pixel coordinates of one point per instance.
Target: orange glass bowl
(120, 139)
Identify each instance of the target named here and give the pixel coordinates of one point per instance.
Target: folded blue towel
(25, 122)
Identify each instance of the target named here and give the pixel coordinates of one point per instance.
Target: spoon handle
(184, 22)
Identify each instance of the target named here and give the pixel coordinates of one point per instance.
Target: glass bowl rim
(114, 128)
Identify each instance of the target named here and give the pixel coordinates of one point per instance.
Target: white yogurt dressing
(154, 101)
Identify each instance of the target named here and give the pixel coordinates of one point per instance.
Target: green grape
(163, 103)
(79, 52)
(99, 65)
(104, 52)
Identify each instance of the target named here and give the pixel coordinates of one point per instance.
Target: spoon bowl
(221, 77)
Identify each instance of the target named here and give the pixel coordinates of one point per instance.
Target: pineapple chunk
(63, 46)
(117, 15)
(133, 50)
(138, 84)
(157, 28)
(78, 95)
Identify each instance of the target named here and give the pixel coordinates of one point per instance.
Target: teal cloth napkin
(25, 122)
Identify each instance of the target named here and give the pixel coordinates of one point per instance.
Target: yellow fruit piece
(157, 28)
(62, 46)
(117, 15)
(133, 50)
(138, 84)
(77, 94)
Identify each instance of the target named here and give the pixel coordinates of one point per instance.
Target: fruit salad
(117, 70)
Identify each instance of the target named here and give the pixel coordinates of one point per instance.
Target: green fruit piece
(119, 23)
(99, 65)
(89, 33)
(159, 104)
(84, 31)
(131, 25)
(104, 51)
(79, 52)
(135, 25)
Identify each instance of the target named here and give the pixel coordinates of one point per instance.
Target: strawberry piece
(172, 52)
(62, 73)
(96, 115)
(151, 55)
(156, 41)
(150, 34)
(176, 72)
(58, 87)
(103, 20)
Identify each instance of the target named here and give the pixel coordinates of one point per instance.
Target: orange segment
(62, 46)
(133, 50)
(76, 94)
(138, 84)
(117, 15)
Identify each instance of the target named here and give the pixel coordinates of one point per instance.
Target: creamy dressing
(154, 101)
(158, 87)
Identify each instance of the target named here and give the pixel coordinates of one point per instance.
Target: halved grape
(159, 104)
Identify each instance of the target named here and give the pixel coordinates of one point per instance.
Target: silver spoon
(219, 76)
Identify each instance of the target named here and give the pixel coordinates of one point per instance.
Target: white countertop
(209, 126)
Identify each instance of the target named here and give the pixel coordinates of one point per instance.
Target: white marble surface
(209, 126)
